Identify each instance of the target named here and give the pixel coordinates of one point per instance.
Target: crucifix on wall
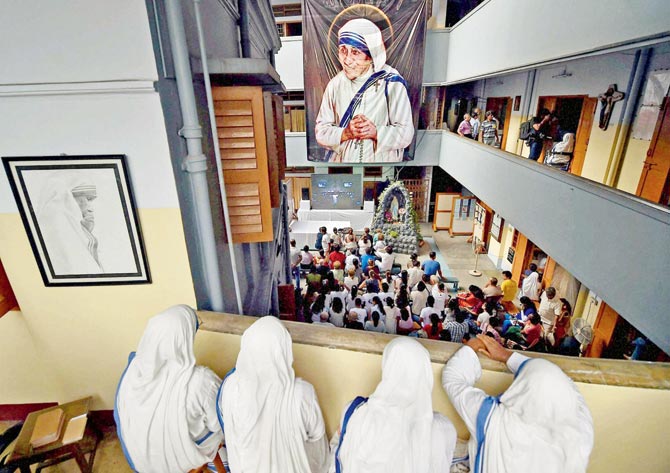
(607, 101)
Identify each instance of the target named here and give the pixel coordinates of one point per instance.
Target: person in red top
(562, 322)
(532, 331)
(336, 255)
(472, 300)
(434, 328)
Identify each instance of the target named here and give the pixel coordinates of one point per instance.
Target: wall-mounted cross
(607, 101)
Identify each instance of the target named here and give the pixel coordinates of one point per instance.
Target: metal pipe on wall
(637, 75)
(195, 162)
(245, 41)
(217, 153)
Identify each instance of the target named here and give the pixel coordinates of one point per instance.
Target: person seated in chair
(271, 419)
(165, 406)
(396, 429)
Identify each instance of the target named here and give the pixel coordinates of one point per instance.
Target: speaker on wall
(305, 193)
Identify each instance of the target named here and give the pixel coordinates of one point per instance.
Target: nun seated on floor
(271, 420)
(395, 429)
(165, 408)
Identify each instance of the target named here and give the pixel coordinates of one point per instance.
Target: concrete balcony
(623, 396)
(616, 244)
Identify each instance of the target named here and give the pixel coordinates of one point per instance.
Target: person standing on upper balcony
(365, 114)
(538, 135)
(475, 123)
(490, 130)
(465, 128)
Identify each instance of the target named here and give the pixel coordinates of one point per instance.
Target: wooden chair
(218, 464)
(287, 307)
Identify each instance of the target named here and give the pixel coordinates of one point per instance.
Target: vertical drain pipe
(195, 162)
(623, 132)
(245, 41)
(217, 153)
(529, 90)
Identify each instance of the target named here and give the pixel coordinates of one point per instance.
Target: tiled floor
(456, 252)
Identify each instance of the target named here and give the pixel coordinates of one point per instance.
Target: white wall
(78, 78)
(519, 33)
(289, 59)
(289, 65)
(114, 122)
(74, 41)
(435, 59)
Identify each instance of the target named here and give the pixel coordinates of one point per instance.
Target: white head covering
(541, 424)
(261, 413)
(392, 431)
(151, 399)
(364, 35)
(71, 248)
(567, 145)
(530, 285)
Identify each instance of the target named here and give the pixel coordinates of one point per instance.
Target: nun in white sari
(396, 430)
(165, 407)
(539, 424)
(271, 420)
(66, 219)
(365, 114)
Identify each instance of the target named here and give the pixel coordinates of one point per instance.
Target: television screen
(337, 191)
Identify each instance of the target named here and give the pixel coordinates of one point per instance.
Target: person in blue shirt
(367, 257)
(640, 345)
(432, 267)
(318, 244)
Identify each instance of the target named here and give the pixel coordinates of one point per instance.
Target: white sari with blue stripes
(383, 98)
(271, 420)
(540, 423)
(396, 428)
(165, 409)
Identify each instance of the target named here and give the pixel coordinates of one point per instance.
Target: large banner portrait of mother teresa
(363, 71)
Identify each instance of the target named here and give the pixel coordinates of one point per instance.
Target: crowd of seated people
(173, 416)
(354, 283)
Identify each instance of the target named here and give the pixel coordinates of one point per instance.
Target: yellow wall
(630, 423)
(598, 152)
(512, 142)
(631, 169)
(25, 375)
(82, 335)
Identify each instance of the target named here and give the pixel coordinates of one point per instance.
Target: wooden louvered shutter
(240, 122)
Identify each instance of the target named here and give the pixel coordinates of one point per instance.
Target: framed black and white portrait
(80, 217)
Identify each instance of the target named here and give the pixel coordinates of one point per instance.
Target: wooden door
(508, 115)
(240, 121)
(550, 104)
(603, 330)
(548, 274)
(442, 212)
(276, 144)
(583, 134)
(300, 183)
(655, 179)
(502, 109)
(418, 188)
(7, 298)
(523, 254)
